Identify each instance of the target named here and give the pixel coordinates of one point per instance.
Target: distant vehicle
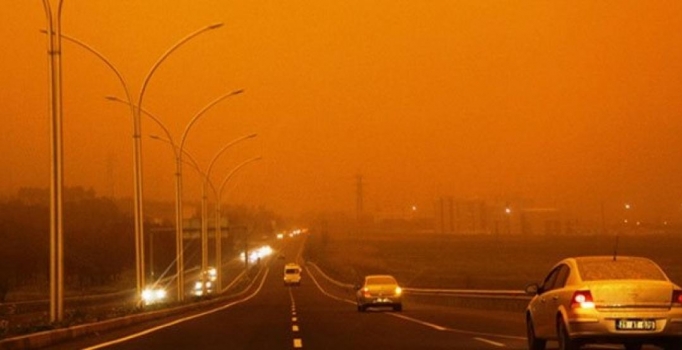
(211, 274)
(292, 274)
(205, 283)
(379, 290)
(153, 295)
(202, 288)
(605, 299)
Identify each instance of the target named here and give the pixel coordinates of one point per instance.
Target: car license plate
(635, 325)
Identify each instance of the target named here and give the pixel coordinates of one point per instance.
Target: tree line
(98, 240)
(98, 234)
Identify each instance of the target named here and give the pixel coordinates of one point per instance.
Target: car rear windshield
(620, 269)
(381, 280)
(290, 271)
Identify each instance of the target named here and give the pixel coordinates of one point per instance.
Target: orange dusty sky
(567, 103)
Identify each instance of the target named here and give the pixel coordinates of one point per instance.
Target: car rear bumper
(591, 327)
(380, 301)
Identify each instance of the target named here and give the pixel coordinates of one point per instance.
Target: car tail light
(398, 291)
(677, 297)
(582, 299)
(366, 293)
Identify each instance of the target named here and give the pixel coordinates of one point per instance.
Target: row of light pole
(206, 182)
(54, 36)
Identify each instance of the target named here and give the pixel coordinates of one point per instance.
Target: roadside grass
(476, 262)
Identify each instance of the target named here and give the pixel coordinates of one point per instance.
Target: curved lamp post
(137, 143)
(178, 152)
(204, 209)
(206, 182)
(137, 167)
(136, 135)
(54, 49)
(218, 242)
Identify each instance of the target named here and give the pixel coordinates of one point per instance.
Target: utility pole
(442, 215)
(359, 202)
(359, 199)
(452, 212)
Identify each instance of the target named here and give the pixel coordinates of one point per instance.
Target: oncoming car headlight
(153, 295)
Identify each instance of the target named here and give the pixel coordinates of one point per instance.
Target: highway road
(315, 315)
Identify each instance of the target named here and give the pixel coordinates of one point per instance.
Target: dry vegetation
(476, 262)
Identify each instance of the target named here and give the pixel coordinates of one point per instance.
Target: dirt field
(476, 262)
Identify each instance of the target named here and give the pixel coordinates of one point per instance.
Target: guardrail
(510, 300)
(51, 337)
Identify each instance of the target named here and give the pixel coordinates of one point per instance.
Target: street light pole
(56, 174)
(218, 242)
(178, 151)
(139, 225)
(137, 167)
(137, 144)
(178, 190)
(204, 210)
(507, 212)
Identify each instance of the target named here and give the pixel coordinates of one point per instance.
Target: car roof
(379, 277)
(621, 267)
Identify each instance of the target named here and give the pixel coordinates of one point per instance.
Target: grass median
(422, 260)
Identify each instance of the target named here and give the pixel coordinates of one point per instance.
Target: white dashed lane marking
(298, 342)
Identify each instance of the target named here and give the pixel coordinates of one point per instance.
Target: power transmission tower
(358, 201)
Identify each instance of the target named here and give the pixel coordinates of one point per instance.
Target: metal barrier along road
(511, 300)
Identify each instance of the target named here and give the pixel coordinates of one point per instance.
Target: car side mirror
(357, 287)
(533, 289)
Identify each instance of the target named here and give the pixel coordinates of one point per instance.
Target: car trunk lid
(631, 294)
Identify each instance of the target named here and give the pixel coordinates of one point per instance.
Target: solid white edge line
(434, 326)
(151, 330)
(490, 342)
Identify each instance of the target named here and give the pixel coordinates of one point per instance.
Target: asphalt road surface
(316, 315)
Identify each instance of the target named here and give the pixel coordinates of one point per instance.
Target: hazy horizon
(569, 104)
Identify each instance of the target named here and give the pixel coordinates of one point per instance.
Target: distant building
(455, 216)
(541, 221)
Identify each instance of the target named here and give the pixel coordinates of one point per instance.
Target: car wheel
(398, 307)
(565, 341)
(534, 343)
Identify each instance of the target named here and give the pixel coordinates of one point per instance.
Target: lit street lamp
(508, 211)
